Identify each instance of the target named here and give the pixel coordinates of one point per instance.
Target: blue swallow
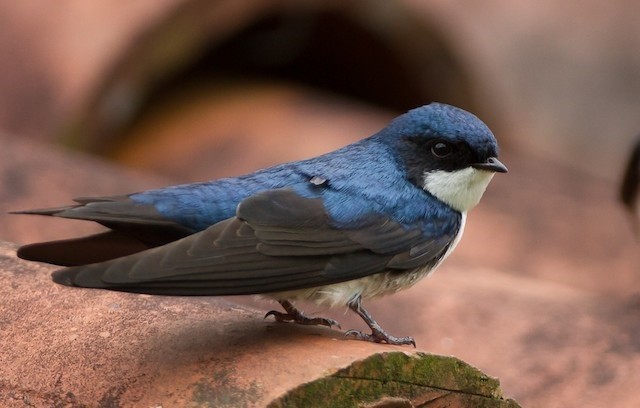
(364, 221)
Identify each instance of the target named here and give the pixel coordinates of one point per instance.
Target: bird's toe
(380, 337)
(300, 318)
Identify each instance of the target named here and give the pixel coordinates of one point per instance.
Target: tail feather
(45, 211)
(135, 227)
(81, 251)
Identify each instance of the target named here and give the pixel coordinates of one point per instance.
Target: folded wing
(278, 241)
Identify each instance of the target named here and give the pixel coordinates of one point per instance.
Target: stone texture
(64, 346)
(67, 347)
(396, 379)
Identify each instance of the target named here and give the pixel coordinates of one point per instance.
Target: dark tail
(81, 251)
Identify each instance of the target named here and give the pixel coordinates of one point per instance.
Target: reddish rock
(64, 346)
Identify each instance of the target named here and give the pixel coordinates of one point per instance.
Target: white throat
(461, 189)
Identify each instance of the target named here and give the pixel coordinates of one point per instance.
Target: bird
(369, 219)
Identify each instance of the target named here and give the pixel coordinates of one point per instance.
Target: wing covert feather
(278, 241)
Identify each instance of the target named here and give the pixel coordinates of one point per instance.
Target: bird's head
(446, 151)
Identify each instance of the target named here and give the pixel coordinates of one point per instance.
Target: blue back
(362, 178)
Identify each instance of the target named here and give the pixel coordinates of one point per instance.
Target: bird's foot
(302, 319)
(294, 315)
(378, 336)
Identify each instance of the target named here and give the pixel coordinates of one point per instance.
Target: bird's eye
(441, 150)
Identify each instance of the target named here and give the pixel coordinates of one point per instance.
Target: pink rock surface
(67, 347)
(63, 346)
(550, 345)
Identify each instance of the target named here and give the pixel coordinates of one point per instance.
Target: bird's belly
(339, 294)
(380, 284)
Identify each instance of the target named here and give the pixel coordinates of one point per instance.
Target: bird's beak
(492, 164)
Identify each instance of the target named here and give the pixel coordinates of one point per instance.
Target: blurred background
(110, 97)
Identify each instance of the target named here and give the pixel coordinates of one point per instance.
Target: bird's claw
(380, 337)
(302, 319)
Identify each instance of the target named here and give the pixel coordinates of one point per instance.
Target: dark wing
(135, 226)
(279, 241)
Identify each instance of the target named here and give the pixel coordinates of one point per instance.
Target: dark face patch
(420, 155)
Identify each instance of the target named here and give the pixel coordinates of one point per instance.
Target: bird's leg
(377, 334)
(294, 315)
